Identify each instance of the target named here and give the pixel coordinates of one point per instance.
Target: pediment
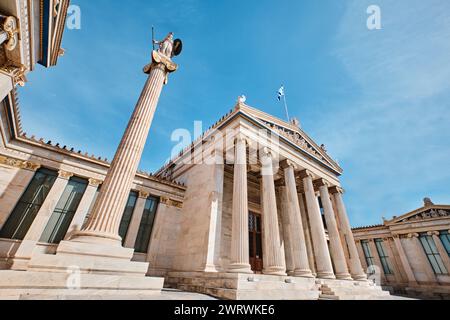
(424, 213)
(294, 135)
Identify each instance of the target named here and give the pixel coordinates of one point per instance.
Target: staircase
(351, 290)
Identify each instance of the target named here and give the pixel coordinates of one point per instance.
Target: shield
(177, 47)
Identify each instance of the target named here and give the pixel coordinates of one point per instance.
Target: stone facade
(409, 254)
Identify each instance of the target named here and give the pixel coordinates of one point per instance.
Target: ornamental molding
(20, 164)
(15, 71)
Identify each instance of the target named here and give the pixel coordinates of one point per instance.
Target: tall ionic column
(240, 255)
(103, 224)
(273, 257)
(337, 251)
(356, 269)
(322, 255)
(298, 241)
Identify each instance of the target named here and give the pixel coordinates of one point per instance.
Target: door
(255, 242)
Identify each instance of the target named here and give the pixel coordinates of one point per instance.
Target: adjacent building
(410, 254)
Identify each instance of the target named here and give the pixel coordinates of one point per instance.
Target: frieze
(21, 164)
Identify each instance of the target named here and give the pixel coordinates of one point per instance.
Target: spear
(153, 38)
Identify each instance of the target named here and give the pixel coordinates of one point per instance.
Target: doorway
(255, 242)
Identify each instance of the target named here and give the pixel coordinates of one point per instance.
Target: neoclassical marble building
(253, 209)
(411, 252)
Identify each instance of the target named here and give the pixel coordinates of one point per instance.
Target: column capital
(322, 183)
(94, 182)
(286, 163)
(433, 233)
(240, 137)
(143, 194)
(413, 235)
(305, 174)
(10, 26)
(161, 62)
(65, 175)
(337, 189)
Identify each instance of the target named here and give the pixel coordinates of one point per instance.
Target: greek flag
(281, 93)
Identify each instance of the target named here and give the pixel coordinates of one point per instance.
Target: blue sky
(379, 99)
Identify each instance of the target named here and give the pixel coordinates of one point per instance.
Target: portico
(279, 216)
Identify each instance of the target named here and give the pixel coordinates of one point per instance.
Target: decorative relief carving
(27, 165)
(143, 194)
(296, 138)
(171, 203)
(95, 182)
(16, 72)
(64, 174)
(429, 214)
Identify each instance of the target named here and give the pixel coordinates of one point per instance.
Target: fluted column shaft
(109, 207)
(240, 256)
(336, 249)
(356, 269)
(273, 257)
(298, 241)
(322, 255)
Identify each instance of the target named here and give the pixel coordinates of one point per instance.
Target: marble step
(28, 280)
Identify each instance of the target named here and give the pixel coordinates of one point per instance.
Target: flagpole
(286, 107)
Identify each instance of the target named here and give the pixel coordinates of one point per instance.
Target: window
(445, 238)
(383, 256)
(146, 226)
(128, 213)
(23, 215)
(62, 216)
(367, 254)
(432, 253)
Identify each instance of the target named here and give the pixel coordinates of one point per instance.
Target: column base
(360, 277)
(326, 275)
(97, 238)
(302, 273)
(240, 268)
(344, 276)
(275, 271)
